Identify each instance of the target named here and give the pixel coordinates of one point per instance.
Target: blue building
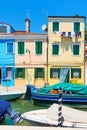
(7, 57)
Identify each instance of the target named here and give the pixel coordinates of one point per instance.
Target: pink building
(30, 57)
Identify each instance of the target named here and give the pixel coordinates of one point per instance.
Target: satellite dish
(44, 27)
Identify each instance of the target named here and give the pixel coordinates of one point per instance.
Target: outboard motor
(28, 94)
(6, 110)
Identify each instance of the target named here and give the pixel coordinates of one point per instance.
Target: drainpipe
(46, 84)
(29, 52)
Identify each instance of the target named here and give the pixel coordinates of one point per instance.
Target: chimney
(27, 25)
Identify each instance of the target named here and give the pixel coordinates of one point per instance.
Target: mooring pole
(60, 117)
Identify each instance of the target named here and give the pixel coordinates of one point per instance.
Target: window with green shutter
(76, 49)
(39, 72)
(38, 47)
(76, 27)
(55, 49)
(55, 26)
(19, 72)
(75, 73)
(54, 72)
(20, 47)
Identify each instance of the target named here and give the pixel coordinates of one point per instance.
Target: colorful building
(7, 55)
(66, 36)
(23, 56)
(30, 57)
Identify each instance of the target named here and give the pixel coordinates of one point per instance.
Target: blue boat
(72, 94)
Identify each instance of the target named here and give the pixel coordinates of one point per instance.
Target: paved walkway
(36, 128)
(16, 88)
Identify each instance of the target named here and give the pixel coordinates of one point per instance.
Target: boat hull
(11, 95)
(49, 99)
(44, 118)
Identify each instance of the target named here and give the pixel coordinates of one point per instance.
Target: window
(54, 73)
(76, 27)
(8, 72)
(39, 72)
(9, 47)
(76, 49)
(55, 26)
(55, 49)
(3, 29)
(20, 47)
(75, 73)
(19, 72)
(38, 47)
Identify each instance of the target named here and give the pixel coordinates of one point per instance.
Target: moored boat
(72, 94)
(49, 117)
(11, 95)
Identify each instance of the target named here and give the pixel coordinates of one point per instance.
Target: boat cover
(4, 105)
(74, 88)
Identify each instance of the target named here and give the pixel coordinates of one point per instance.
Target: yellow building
(66, 49)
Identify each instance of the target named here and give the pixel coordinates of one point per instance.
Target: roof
(66, 17)
(26, 33)
(7, 24)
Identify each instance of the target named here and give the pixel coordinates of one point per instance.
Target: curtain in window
(9, 72)
(19, 72)
(75, 70)
(39, 72)
(54, 70)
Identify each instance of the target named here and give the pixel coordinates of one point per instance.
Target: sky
(14, 12)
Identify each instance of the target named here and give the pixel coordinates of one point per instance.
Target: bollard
(60, 117)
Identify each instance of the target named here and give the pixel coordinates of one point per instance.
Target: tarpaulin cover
(4, 105)
(75, 88)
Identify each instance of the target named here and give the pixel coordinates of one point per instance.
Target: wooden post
(60, 117)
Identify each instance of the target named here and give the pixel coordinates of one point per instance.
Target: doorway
(0, 75)
(64, 75)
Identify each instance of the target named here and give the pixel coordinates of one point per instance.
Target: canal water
(22, 106)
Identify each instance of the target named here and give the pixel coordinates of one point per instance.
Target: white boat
(11, 95)
(49, 117)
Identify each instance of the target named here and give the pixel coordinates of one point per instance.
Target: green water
(22, 106)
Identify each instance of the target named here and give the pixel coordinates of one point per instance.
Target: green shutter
(58, 73)
(43, 72)
(55, 26)
(36, 47)
(19, 48)
(51, 72)
(40, 47)
(36, 72)
(76, 27)
(72, 70)
(22, 47)
(76, 49)
(23, 72)
(55, 49)
(16, 75)
(79, 73)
